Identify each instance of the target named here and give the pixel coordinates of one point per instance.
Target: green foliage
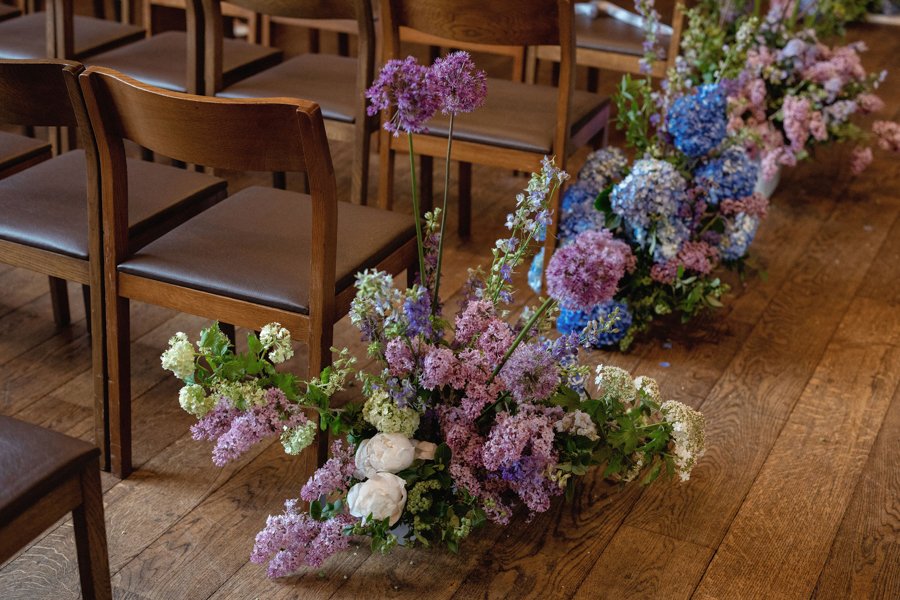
(634, 107)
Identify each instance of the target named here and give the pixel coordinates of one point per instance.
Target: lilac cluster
(698, 122)
(334, 476)
(729, 176)
(575, 321)
(587, 271)
(531, 374)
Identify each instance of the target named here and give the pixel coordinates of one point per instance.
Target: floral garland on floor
(468, 419)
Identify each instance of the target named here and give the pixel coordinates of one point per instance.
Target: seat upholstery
(611, 35)
(17, 148)
(224, 252)
(326, 79)
(161, 60)
(53, 215)
(530, 127)
(26, 36)
(33, 460)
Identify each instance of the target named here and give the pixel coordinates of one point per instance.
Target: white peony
(424, 450)
(384, 453)
(382, 496)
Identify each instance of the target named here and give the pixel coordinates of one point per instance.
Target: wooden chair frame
(228, 10)
(359, 132)
(185, 127)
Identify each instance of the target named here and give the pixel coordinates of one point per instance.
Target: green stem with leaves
(522, 335)
(415, 205)
(440, 256)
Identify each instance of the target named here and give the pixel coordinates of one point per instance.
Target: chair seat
(8, 12)
(52, 215)
(15, 149)
(161, 60)
(611, 35)
(33, 460)
(237, 248)
(26, 36)
(518, 115)
(326, 79)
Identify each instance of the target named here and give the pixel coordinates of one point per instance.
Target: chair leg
(86, 300)
(90, 537)
(319, 358)
(59, 299)
(426, 184)
(118, 332)
(593, 79)
(464, 226)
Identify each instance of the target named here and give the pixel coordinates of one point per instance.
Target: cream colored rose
(383, 453)
(424, 450)
(382, 496)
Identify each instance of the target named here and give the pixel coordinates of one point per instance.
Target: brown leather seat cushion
(610, 35)
(26, 36)
(8, 12)
(33, 460)
(518, 115)
(255, 246)
(326, 79)
(161, 60)
(17, 148)
(52, 214)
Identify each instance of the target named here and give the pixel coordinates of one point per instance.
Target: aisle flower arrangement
(469, 419)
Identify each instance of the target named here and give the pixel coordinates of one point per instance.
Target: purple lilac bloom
(410, 89)
(531, 373)
(399, 357)
(587, 271)
(334, 476)
(438, 368)
(215, 422)
(698, 122)
(529, 430)
(293, 540)
(755, 205)
(729, 176)
(473, 320)
(528, 479)
(462, 88)
(495, 340)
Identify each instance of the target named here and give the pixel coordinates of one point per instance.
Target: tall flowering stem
(440, 256)
(529, 325)
(415, 205)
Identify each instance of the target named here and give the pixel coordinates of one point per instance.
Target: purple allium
(531, 373)
(587, 271)
(333, 476)
(410, 90)
(698, 122)
(462, 87)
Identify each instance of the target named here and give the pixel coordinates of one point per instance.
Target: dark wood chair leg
(426, 184)
(59, 299)
(90, 537)
(118, 331)
(279, 180)
(343, 40)
(465, 200)
(593, 79)
(86, 300)
(230, 333)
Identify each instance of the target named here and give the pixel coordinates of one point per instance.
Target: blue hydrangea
(698, 122)
(738, 235)
(574, 321)
(601, 168)
(730, 176)
(578, 212)
(535, 271)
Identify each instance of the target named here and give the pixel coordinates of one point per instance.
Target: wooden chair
(51, 211)
(336, 83)
(228, 10)
(18, 152)
(291, 257)
(607, 43)
(519, 123)
(173, 60)
(8, 12)
(74, 36)
(43, 476)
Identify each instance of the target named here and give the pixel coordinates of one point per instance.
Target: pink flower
(861, 158)
(869, 103)
(888, 134)
(587, 271)
(796, 113)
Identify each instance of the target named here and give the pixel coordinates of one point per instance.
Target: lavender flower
(587, 272)
(601, 168)
(410, 89)
(461, 87)
(698, 122)
(654, 190)
(334, 476)
(417, 310)
(531, 373)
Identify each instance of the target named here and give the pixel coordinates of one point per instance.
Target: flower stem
(415, 206)
(440, 256)
(522, 335)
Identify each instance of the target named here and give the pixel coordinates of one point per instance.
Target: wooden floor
(798, 495)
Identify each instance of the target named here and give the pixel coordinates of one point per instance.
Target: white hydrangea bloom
(193, 399)
(688, 434)
(179, 357)
(237, 391)
(577, 423)
(649, 387)
(297, 439)
(384, 414)
(616, 383)
(277, 340)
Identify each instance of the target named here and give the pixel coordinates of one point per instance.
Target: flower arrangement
(468, 419)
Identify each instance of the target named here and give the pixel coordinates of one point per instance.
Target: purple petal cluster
(575, 321)
(410, 89)
(587, 271)
(462, 88)
(531, 374)
(333, 476)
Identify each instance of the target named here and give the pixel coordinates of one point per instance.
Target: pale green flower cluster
(179, 357)
(688, 434)
(615, 383)
(418, 500)
(384, 414)
(240, 392)
(193, 399)
(277, 340)
(296, 440)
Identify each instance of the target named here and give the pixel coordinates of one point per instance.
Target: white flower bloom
(248, 392)
(688, 435)
(383, 413)
(277, 340)
(381, 497)
(649, 387)
(383, 453)
(297, 439)
(424, 450)
(577, 423)
(614, 382)
(179, 357)
(635, 469)
(193, 399)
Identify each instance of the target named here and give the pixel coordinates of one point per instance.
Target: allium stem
(415, 202)
(440, 256)
(522, 335)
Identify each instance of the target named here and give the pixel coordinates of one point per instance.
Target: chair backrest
(358, 10)
(37, 92)
(277, 134)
